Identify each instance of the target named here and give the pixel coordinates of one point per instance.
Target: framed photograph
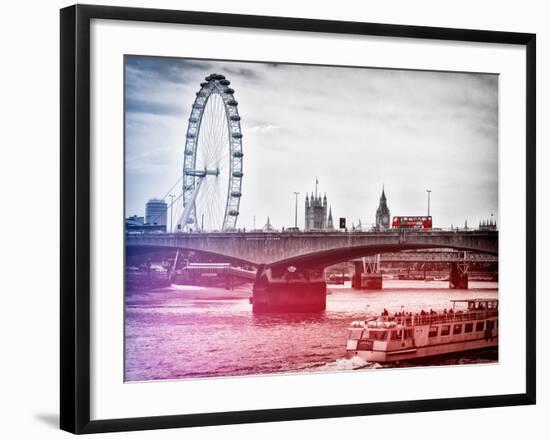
(268, 218)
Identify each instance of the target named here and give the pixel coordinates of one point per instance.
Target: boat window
(408, 333)
(355, 334)
(480, 326)
(468, 327)
(457, 329)
(433, 331)
(396, 335)
(378, 335)
(445, 329)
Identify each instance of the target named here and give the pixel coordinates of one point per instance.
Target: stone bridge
(290, 265)
(313, 249)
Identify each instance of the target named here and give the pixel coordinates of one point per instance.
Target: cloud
(262, 128)
(150, 107)
(242, 72)
(142, 69)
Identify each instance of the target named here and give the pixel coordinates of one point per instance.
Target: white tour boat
(406, 336)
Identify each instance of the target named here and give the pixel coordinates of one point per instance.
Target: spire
(383, 213)
(330, 224)
(316, 184)
(268, 227)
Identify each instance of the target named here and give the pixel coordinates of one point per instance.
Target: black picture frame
(75, 217)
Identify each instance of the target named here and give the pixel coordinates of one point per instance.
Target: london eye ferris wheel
(213, 159)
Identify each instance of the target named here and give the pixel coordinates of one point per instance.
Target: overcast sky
(355, 129)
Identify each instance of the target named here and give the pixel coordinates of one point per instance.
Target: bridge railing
(312, 232)
(429, 319)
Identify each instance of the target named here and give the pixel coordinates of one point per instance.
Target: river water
(192, 332)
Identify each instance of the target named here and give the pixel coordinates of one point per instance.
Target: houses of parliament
(318, 213)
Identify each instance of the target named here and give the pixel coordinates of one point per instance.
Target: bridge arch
(326, 258)
(212, 254)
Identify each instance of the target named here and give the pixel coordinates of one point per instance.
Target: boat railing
(429, 319)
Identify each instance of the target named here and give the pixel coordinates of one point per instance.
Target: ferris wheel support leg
(182, 223)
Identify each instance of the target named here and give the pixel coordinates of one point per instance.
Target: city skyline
(490, 221)
(445, 122)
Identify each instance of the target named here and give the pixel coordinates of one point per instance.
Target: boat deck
(418, 319)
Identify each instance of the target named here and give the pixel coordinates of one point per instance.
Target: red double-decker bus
(412, 222)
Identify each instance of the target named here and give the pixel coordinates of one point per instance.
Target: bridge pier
(289, 289)
(458, 278)
(367, 274)
(356, 280)
(371, 281)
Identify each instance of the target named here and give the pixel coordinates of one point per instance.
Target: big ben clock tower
(383, 213)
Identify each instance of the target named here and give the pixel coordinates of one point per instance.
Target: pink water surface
(189, 332)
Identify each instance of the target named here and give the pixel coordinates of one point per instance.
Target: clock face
(385, 218)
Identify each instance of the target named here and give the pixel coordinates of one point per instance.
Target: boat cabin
(478, 304)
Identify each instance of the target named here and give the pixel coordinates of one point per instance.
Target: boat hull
(383, 356)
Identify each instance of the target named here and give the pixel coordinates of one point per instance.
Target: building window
(457, 329)
(468, 327)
